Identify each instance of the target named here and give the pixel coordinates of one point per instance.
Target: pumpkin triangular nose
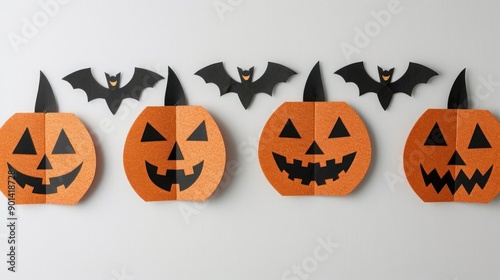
(176, 153)
(456, 159)
(45, 163)
(314, 149)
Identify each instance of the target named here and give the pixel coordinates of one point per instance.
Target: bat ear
(379, 70)
(174, 94)
(458, 93)
(240, 71)
(107, 75)
(391, 71)
(314, 90)
(45, 100)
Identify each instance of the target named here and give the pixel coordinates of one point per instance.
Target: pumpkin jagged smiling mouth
(37, 183)
(173, 176)
(314, 171)
(438, 182)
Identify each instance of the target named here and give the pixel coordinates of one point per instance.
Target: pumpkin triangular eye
(289, 130)
(25, 145)
(478, 139)
(436, 137)
(339, 130)
(63, 146)
(199, 134)
(151, 134)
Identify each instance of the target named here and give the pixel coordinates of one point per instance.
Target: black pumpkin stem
(313, 90)
(458, 93)
(45, 99)
(174, 94)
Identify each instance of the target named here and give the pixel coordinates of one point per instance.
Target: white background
(247, 230)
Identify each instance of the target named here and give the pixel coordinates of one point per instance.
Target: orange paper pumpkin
(174, 152)
(50, 156)
(313, 147)
(452, 154)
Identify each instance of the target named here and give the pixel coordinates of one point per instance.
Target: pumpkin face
(174, 153)
(51, 156)
(452, 155)
(314, 148)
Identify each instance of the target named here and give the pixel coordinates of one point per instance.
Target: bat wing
(216, 74)
(356, 73)
(416, 74)
(274, 74)
(84, 80)
(141, 80)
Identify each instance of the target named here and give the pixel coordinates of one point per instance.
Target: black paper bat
(356, 73)
(274, 74)
(113, 94)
